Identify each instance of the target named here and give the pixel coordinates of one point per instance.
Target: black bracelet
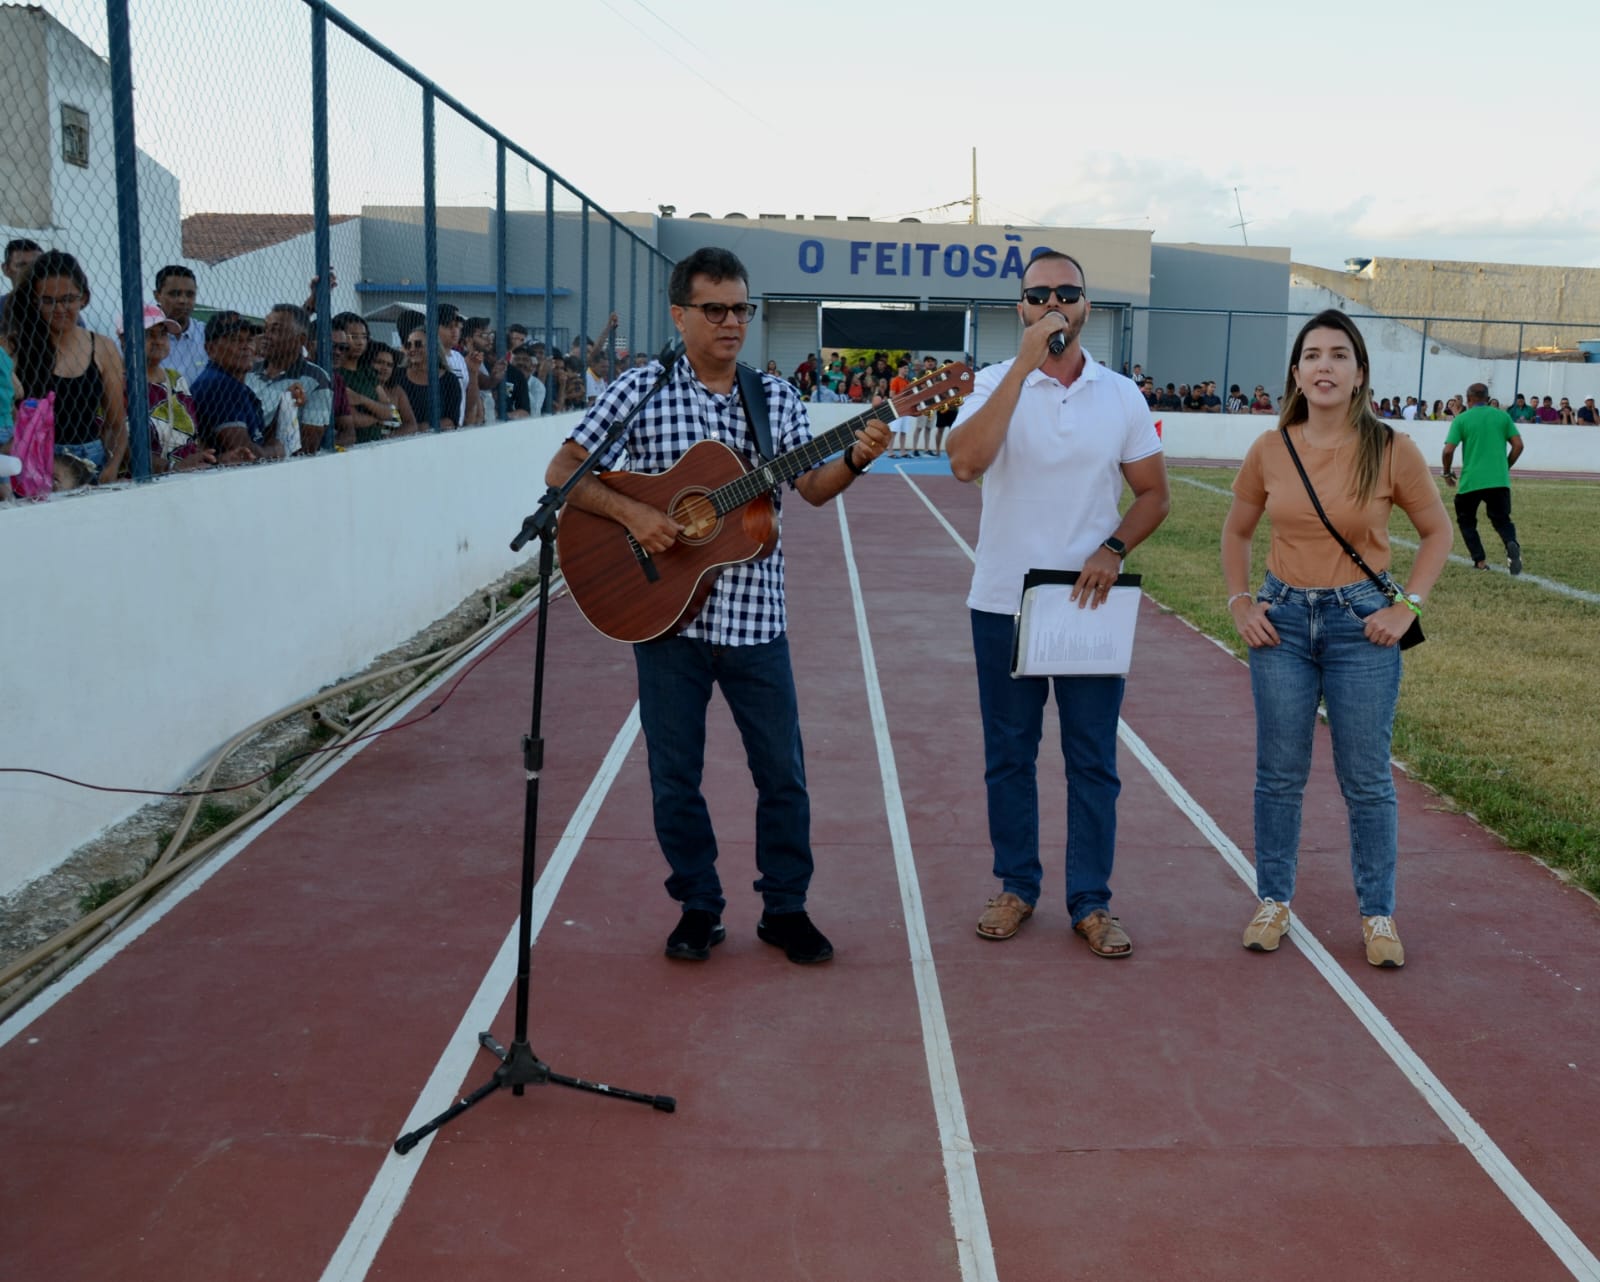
(850, 461)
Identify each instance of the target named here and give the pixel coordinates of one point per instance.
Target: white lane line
(939, 516)
(376, 1215)
(974, 1249)
(1538, 581)
(1566, 1244)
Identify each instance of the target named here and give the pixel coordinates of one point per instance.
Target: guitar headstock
(947, 383)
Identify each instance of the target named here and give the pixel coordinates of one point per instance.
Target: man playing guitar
(737, 641)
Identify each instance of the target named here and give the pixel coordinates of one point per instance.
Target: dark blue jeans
(1013, 723)
(676, 675)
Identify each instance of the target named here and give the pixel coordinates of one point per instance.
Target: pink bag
(35, 445)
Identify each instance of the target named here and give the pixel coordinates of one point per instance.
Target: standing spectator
(525, 360)
(1438, 411)
(284, 371)
(1490, 445)
(1521, 411)
(400, 420)
(10, 394)
(1313, 633)
(1054, 438)
(19, 257)
(176, 293)
(414, 379)
(352, 366)
(449, 325)
(52, 353)
(1587, 412)
(226, 410)
(174, 436)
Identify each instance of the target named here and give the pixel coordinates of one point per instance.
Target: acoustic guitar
(728, 517)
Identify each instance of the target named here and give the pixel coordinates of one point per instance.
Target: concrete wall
(1179, 348)
(1484, 291)
(145, 626)
(1396, 349)
(1228, 436)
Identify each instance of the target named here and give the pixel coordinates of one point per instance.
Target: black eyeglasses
(1039, 295)
(716, 313)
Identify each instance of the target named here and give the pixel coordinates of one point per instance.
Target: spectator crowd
(231, 389)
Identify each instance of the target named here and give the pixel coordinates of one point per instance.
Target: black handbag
(1413, 635)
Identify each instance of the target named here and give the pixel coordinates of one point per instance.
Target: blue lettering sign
(885, 263)
(927, 252)
(811, 256)
(858, 256)
(955, 260)
(983, 262)
(1013, 263)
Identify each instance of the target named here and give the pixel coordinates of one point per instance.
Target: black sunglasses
(1039, 295)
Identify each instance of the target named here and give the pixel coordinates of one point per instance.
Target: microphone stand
(519, 1067)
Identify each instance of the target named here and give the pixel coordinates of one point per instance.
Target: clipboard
(1053, 637)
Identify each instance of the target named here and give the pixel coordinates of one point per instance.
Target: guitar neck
(770, 475)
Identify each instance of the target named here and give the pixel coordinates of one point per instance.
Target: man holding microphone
(1054, 434)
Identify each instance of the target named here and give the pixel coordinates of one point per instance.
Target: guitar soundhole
(695, 512)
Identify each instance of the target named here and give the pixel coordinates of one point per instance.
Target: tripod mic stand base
(520, 1068)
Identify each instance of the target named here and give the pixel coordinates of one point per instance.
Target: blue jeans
(1323, 654)
(1013, 723)
(676, 675)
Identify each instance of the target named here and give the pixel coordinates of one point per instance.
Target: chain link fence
(300, 171)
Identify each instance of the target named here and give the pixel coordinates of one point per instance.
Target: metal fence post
(1227, 360)
(501, 291)
(633, 286)
(127, 165)
(1516, 376)
(1422, 364)
(550, 350)
(611, 282)
(321, 239)
(583, 288)
(430, 257)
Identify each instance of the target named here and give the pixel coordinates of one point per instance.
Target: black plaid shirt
(746, 607)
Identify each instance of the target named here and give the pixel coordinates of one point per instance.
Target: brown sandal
(1005, 915)
(1105, 934)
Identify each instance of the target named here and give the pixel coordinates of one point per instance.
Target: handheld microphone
(1058, 342)
(671, 352)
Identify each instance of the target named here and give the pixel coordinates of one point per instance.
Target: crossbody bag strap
(1317, 503)
(754, 396)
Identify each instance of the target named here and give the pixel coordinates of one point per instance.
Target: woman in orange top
(1316, 635)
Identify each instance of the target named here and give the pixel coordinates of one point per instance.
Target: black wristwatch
(1116, 545)
(850, 461)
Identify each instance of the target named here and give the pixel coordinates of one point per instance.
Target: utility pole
(1243, 221)
(973, 218)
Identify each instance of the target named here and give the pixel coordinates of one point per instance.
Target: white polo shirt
(1050, 496)
(188, 354)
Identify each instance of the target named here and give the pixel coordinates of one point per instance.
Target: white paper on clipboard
(1055, 638)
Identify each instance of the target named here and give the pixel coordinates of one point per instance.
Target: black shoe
(696, 933)
(1514, 557)
(793, 932)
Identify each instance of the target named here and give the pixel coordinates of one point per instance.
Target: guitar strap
(754, 398)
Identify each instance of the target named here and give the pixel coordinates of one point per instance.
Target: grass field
(1499, 709)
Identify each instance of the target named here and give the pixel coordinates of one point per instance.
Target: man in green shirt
(1484, 433)
(1521, 411)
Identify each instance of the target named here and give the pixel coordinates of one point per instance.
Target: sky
(1461, 131)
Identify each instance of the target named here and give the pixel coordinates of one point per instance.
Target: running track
(217, 1098)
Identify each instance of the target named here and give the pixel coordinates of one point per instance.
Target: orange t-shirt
(898, 385)
(1302, 553)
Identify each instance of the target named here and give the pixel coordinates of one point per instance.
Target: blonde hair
(1372, 433)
